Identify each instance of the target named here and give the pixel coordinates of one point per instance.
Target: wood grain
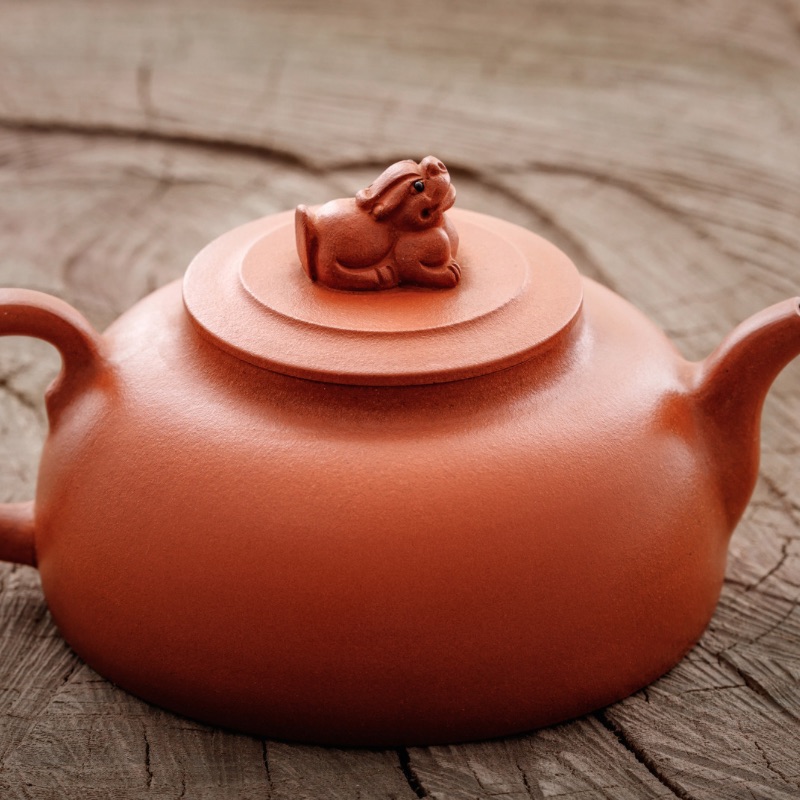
(655, 143)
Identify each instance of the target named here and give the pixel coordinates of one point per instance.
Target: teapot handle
(24, 312)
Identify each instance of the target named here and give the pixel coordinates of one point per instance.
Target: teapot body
(382, 565)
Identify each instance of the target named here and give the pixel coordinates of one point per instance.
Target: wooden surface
(657, 143)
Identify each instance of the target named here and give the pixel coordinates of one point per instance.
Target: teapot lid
(249, 294)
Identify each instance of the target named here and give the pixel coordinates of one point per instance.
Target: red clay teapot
(382, 473)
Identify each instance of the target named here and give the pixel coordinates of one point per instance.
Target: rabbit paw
(445, 277)
(386, 276)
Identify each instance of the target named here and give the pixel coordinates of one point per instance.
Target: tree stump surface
(656, 143)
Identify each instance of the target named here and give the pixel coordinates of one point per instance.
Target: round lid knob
(402, 296)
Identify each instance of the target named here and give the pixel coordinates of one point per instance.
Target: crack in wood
(746, 587)
(147, 766)
(787, 504)
(20, 397)
(707, 689)
(410, 775)
(535, 793)
(91, 131)
(265, 762)
(33, 720)
(770, 766)
(781, 561)
(788, 613)
(642, 756)
(755, 686)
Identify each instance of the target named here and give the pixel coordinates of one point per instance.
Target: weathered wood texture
(657, 143)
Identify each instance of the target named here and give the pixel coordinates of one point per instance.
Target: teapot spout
(731, 385)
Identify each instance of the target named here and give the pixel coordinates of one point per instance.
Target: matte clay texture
(403, 564)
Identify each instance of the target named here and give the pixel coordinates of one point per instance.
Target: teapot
(387, 472)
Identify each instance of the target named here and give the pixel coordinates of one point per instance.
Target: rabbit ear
(386, 192)
(391, 199)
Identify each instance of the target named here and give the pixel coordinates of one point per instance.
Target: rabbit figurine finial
(393, 232)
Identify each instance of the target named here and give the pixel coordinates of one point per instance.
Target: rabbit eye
(419, 186)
